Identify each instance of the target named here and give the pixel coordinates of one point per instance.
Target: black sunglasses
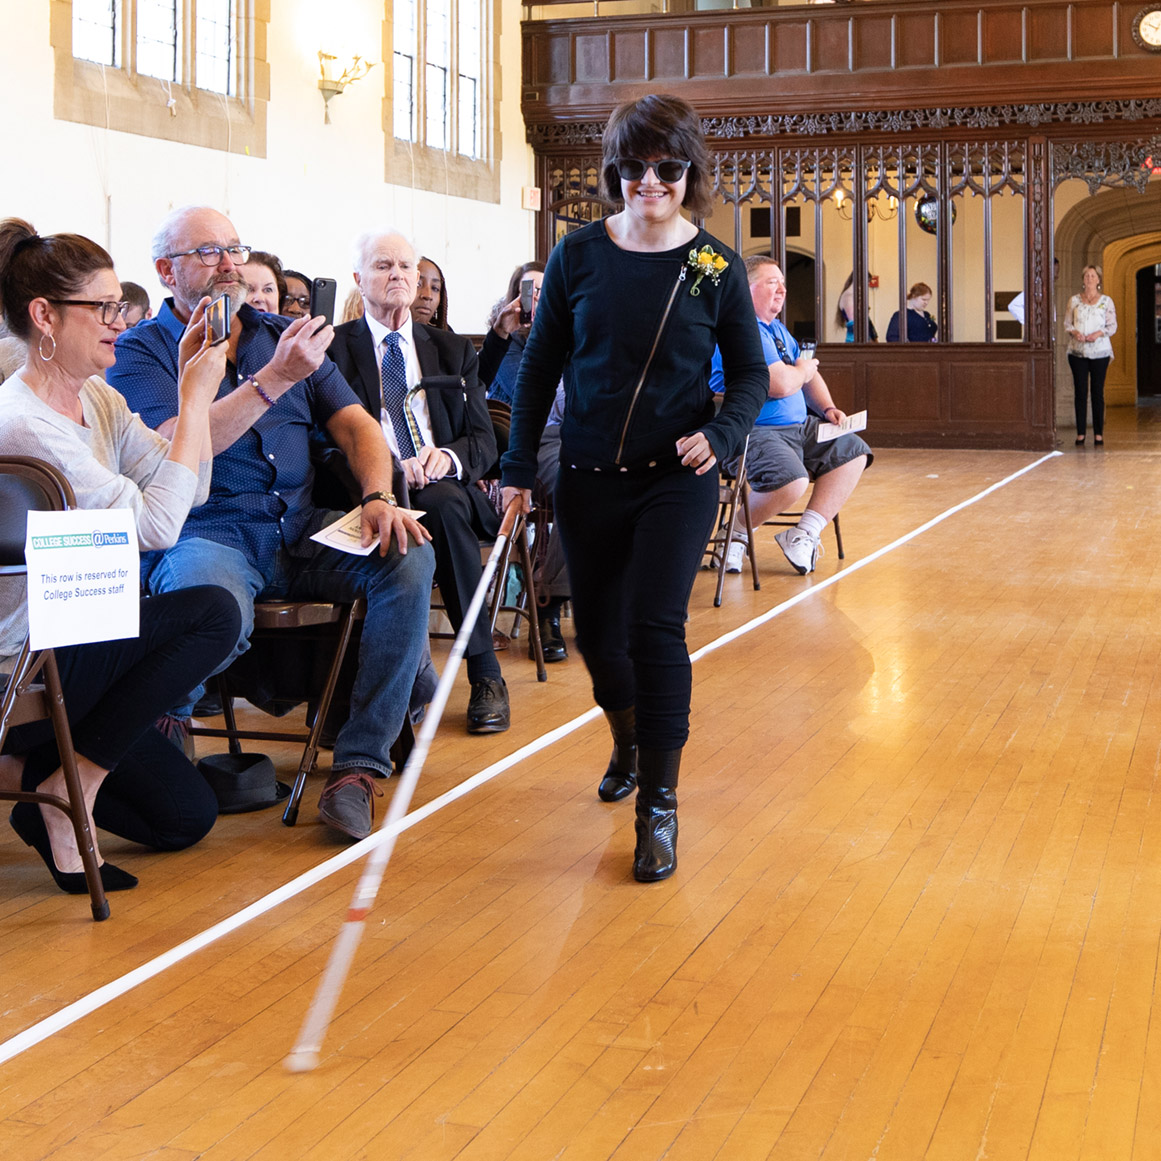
(668, 169)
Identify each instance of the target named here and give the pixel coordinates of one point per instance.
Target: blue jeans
(397, 589)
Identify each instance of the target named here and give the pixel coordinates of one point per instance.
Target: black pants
(1082, 370)
(114, 691)
(458, 517)
(633, 542)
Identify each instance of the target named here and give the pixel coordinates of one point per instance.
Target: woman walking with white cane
(630, 311)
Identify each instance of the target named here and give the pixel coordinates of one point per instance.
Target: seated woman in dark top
(921, 327)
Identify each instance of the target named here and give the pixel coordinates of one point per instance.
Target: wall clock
(1147, 28)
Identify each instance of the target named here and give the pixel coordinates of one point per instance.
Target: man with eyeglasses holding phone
(253, 533)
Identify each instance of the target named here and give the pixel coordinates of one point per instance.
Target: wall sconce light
(843, 206)
(331, 85)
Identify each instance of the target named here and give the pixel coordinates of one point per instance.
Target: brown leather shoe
(347, 801)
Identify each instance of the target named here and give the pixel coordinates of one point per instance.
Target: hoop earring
(40, 348)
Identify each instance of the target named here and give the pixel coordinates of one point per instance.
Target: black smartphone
(322, 300)
(218, 320)
(527, 290)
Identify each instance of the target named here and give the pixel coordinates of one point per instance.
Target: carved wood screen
(831, 127)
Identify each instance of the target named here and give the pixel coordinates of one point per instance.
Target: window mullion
(188, 74)
(452, 144)
(129, 36)
(419, 132)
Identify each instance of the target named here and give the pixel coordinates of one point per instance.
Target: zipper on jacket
(648, 364)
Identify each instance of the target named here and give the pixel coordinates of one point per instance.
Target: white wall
(317, 188)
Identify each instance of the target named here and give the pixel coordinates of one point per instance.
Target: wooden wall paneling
(669, 53)
(1093, 31)
(959, 38)
(1002, 37)
(873, 43)
(831, 45)
(790, 47)
(1047, 35)
(989, 393)
(709, 53)
(915, 40)
(841, 373)
(749, 51)
(630, 55)
(903, 393)
(557, 62)
(592, 57)
(861, 49)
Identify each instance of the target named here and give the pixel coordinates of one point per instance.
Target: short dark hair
(274, 265)
(135, 295)
(55, 266)
(308, 282)
(659, 125)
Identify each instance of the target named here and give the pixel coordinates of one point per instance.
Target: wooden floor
(917, 913)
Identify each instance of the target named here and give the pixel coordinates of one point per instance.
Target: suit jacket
(448, 365)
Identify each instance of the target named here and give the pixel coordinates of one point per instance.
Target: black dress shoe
(551, 640)
(28, 823)
(488, 711)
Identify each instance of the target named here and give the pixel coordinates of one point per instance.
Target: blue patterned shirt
(260, 494)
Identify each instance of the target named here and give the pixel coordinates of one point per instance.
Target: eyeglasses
(107, 310)
(669, 170)
(212, 255)
(303, 300)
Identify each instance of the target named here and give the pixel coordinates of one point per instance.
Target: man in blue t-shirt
(253, 534)
(784, 452)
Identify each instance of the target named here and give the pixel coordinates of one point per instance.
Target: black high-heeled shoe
(28, 823)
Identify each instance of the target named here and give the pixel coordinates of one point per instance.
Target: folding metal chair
(317, 623)
(733, 497)
(33, 689)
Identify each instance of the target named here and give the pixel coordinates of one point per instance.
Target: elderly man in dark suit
(421, 384)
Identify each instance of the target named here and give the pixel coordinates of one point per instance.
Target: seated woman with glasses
(60, 295)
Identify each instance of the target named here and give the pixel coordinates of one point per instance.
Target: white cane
(305, 1054)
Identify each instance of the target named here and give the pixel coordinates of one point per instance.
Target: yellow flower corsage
(706, 263)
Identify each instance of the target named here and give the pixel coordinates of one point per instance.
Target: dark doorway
(798, 314)
(1149, 331)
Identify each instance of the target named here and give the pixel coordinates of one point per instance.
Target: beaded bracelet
(253, 381)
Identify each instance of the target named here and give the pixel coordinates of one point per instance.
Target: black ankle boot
(656, 854)
(621, 776)
(551, 638)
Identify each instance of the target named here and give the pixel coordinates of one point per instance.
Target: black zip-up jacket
(598, 317)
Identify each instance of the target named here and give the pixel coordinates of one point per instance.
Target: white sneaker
(735, 556)
(801, 549)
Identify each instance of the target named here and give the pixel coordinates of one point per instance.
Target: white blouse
(1085, 318)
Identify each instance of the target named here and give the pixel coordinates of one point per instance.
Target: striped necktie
(394, 372)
